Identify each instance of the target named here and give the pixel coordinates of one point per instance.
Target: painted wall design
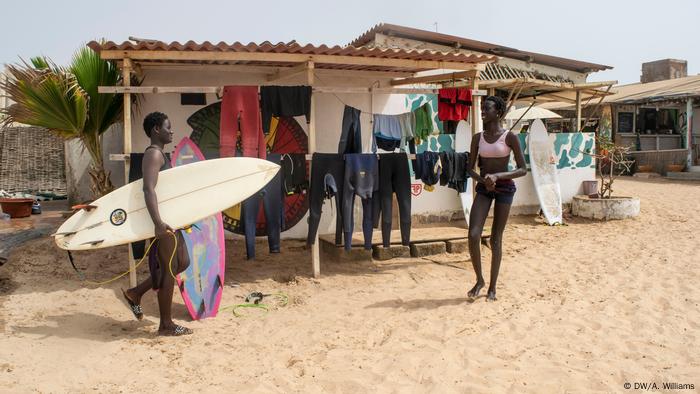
(569, 150)
(285, 136)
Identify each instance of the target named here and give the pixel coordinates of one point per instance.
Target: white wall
(329, 112)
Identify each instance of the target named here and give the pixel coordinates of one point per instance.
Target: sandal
(178, 331)
(135, 308)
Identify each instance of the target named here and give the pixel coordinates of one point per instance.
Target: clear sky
(622, 34)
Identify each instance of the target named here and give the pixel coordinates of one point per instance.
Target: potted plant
(675, 167)
(613, 161)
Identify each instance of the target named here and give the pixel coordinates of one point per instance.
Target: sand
(581, 308)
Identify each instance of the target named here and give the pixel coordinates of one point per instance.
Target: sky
(618, 33)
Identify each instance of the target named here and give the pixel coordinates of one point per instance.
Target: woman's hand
(490, 182)
(163, 229)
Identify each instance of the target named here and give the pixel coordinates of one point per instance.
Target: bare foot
(474, 292)
(491, 295)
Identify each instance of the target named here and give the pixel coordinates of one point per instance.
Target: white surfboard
(186, 195)
(463, 141)
(544, 172)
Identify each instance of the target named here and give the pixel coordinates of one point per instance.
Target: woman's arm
(473, 156)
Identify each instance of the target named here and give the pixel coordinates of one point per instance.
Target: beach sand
(581, 308)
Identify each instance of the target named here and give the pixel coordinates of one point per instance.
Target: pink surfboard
(202, 283)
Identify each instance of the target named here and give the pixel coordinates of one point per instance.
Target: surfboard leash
(145, 255)
(253, 300)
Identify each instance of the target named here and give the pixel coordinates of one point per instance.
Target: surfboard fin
(202, 308)
(65, 234)
(96, 242)
(219, 281)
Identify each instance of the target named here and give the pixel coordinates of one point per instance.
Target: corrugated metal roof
(670, 89)
(640, 93)
(294, 48)
(468, 44)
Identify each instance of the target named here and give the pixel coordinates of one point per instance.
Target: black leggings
(394, 178)
(271, 197)
(361, 179)
(331, 167)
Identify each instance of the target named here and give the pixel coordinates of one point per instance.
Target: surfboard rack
(86, 207)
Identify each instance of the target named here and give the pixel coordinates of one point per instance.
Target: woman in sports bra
(492, 147)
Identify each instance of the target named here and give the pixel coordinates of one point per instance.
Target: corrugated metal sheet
(294, 48)
(468, 44)
(670, 89)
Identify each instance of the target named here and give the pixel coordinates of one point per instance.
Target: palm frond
(46, 98)
(92, 72)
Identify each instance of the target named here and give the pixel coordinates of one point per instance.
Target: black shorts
(503, 195)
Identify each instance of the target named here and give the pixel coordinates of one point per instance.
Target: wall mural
(286, 136)
(568, 147)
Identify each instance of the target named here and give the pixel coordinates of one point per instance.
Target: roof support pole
(315, 254)
(126, 81)
(689, 132)
(578, 111)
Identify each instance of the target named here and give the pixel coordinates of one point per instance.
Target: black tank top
(166, 163)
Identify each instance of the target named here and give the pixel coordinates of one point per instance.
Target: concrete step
(688, 176)
(694, 169)
(393, 251)
(428, 249)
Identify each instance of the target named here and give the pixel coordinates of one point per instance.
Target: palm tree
(65, 101)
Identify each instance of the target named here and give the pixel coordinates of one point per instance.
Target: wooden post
(476, 122)
(126, 81)
(315, 254)
(689, 128)
(578, 111)
(476, 108)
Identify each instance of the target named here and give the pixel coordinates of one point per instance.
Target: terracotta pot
(645, 168)
(17, 207)
(675, 167)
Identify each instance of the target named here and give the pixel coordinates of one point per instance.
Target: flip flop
(135, 308)
(178, 331)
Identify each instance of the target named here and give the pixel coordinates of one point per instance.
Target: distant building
(661, 70)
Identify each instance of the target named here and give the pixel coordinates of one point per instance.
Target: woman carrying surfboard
(163, 262)
(492, 147)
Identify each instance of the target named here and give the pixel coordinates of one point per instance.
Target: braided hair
(499, 103)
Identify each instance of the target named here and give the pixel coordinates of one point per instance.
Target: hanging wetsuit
(284, 101)
(361, 179)
(327, 180)
(271, 197)
(394, 177)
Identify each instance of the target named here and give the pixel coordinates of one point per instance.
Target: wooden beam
(283, 73)
(286, 58)
(218, 89)
(556, 97)
(437, 77)
(242, 68)
(126, 81)
(593, 85)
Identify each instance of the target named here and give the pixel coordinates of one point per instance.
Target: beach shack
(388, 70)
